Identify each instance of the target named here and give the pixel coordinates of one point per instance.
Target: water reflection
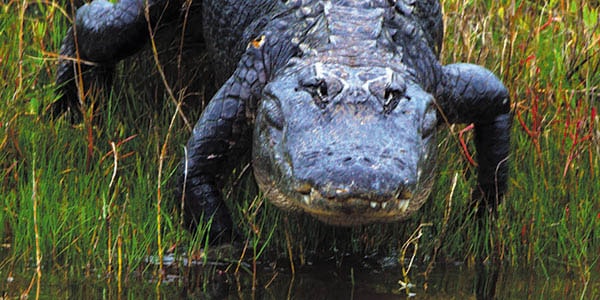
(485, 284)
(355, 278)
(364, 280)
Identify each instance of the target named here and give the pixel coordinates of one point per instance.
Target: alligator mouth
(314, 198)
(349, 210)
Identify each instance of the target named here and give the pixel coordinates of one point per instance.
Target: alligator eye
(322, 89)
(317, 88)
(391, 97)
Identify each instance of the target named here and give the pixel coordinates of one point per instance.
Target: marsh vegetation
(93, 200)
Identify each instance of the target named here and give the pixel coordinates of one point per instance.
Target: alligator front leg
(221, 138)
(103, 34)
(472, 94)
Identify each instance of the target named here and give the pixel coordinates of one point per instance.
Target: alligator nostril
(347, 159)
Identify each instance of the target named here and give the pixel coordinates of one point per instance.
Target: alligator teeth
(403, 205)
(384, 205)
(373, 204)
(341, 191)
(306, 199)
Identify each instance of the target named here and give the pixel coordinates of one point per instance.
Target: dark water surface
(354, 279)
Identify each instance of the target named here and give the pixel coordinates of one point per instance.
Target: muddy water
(353, 279)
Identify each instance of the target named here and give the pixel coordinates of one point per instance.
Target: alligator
(336, 103)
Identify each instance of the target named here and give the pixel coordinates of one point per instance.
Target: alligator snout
(346, 185)
(360, 175)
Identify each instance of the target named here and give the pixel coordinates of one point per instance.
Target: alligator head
(345, 131)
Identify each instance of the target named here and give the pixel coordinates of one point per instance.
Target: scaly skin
(105, 33)
(338, 102)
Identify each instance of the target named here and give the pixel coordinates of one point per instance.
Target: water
(352, 278)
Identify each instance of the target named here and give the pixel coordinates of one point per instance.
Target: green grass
(97, 193)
